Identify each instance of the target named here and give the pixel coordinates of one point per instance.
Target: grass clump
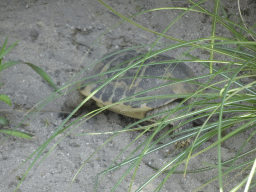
(4, 98)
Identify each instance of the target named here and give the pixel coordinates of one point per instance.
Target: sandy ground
(56, 36)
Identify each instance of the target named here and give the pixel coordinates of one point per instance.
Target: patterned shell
(156, 71)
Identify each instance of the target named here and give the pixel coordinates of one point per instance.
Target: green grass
(6, 99)
(235, 101)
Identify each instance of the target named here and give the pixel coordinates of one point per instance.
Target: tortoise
(125, 86)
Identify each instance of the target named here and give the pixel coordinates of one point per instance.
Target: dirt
(59, 37)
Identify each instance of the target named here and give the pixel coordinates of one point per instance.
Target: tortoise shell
(156, 71)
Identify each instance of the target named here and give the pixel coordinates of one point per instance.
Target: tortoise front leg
(74, 98)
